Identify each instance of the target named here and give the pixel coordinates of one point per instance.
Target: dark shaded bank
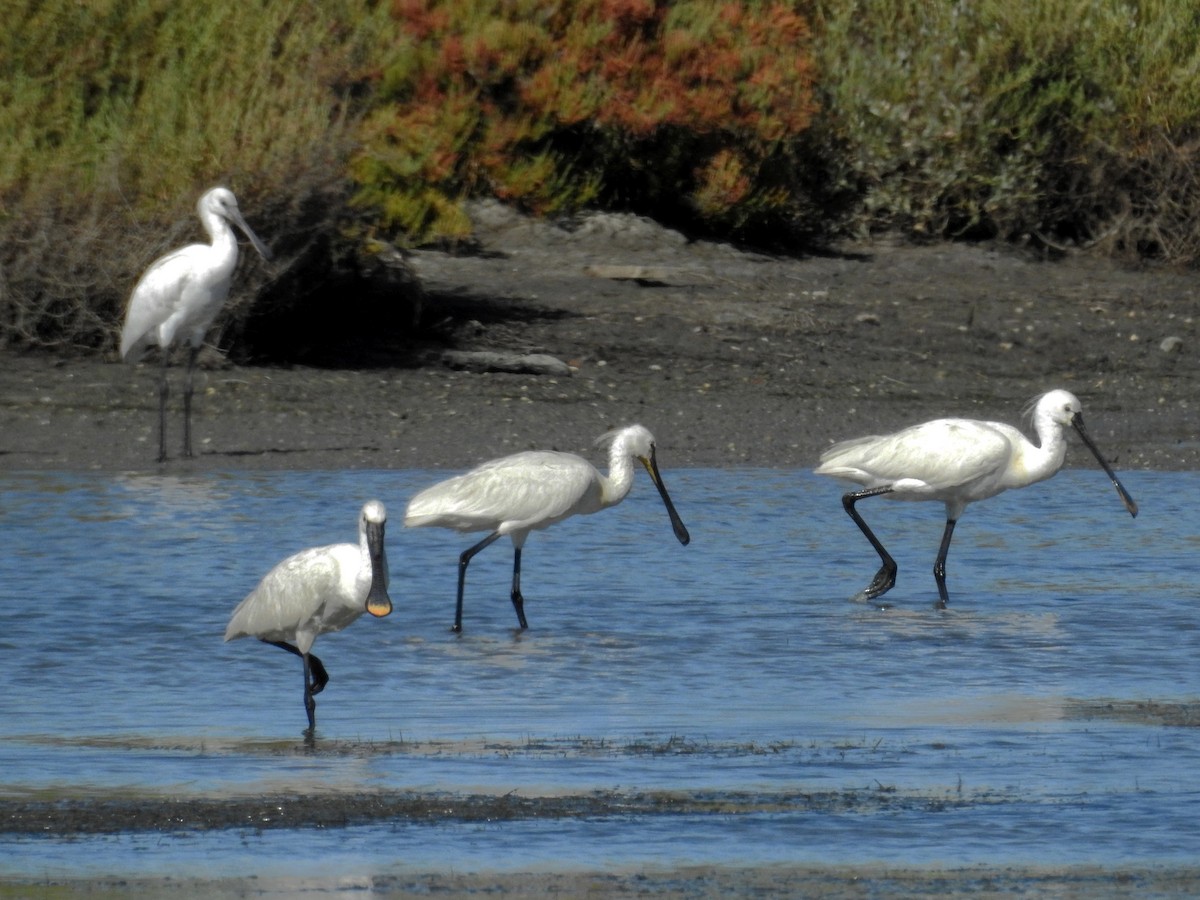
(729, 357)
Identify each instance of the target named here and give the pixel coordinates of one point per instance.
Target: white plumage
(317, 591)
(956, 461)
(519, 492)
(179, 295)
(527, 491)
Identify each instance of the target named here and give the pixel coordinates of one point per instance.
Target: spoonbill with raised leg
(956, 461)
(517, 494)
(316, 591)
(177, 298)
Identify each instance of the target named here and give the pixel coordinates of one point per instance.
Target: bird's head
(220, 202)
(1061, 407)
(634, 441)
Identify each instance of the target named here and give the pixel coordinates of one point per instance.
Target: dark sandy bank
(544, 336)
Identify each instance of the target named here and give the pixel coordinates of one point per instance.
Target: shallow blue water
(734, 665)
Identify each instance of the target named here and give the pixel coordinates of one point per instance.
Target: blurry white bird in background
(527, 491)
(956, 461)
(316, 591)
(177, 298)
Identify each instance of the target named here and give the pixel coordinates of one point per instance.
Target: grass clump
(1065, 123)
(115, 116)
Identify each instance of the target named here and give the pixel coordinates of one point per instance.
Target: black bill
(677, 525)
(1130, 503)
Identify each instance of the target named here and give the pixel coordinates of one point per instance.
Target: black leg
(518, 601)
(320, 677)
(163, 390)
(193, 352)
(463, 562)
(316, 677)
(310, 705)
(939, 567)
(885, 578)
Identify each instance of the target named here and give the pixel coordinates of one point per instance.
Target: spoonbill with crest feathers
(316, 591)
(517, 494)
(177, 298)
(956, 461)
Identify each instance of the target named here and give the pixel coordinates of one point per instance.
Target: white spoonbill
(517, 494)
(177, 298)
(315, 591)
(957, 461)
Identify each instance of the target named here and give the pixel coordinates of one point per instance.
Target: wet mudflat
(731, 357)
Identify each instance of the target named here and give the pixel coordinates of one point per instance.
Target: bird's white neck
(1047, 457)
(620, 473)
(219, 232)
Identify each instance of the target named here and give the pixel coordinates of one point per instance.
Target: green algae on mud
(343, 809)
(1136, 712)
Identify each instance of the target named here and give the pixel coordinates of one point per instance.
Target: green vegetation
(1061, 121)
(116, 114)
(342, 123)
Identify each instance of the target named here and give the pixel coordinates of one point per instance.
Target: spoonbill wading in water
(957, 461)
(517, 494)
(315, 591)
(177, 298)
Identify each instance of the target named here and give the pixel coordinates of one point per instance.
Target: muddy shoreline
(731, 357)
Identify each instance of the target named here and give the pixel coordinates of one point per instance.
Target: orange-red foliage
(518, 84)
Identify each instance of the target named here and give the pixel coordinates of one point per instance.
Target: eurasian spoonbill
(177, 298)
(517, 494)
(956, 461)
(315, 591)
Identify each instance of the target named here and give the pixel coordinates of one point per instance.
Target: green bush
(115, 116)
(1058, 122)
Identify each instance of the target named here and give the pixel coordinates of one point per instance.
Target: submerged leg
(885, 578)
(463, 561)
(315, 679)
(518, 601)
(310, 705)
(163, 390)
(939, 567)
(193, 352)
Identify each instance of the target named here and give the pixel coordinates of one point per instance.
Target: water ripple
(1047, 717)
